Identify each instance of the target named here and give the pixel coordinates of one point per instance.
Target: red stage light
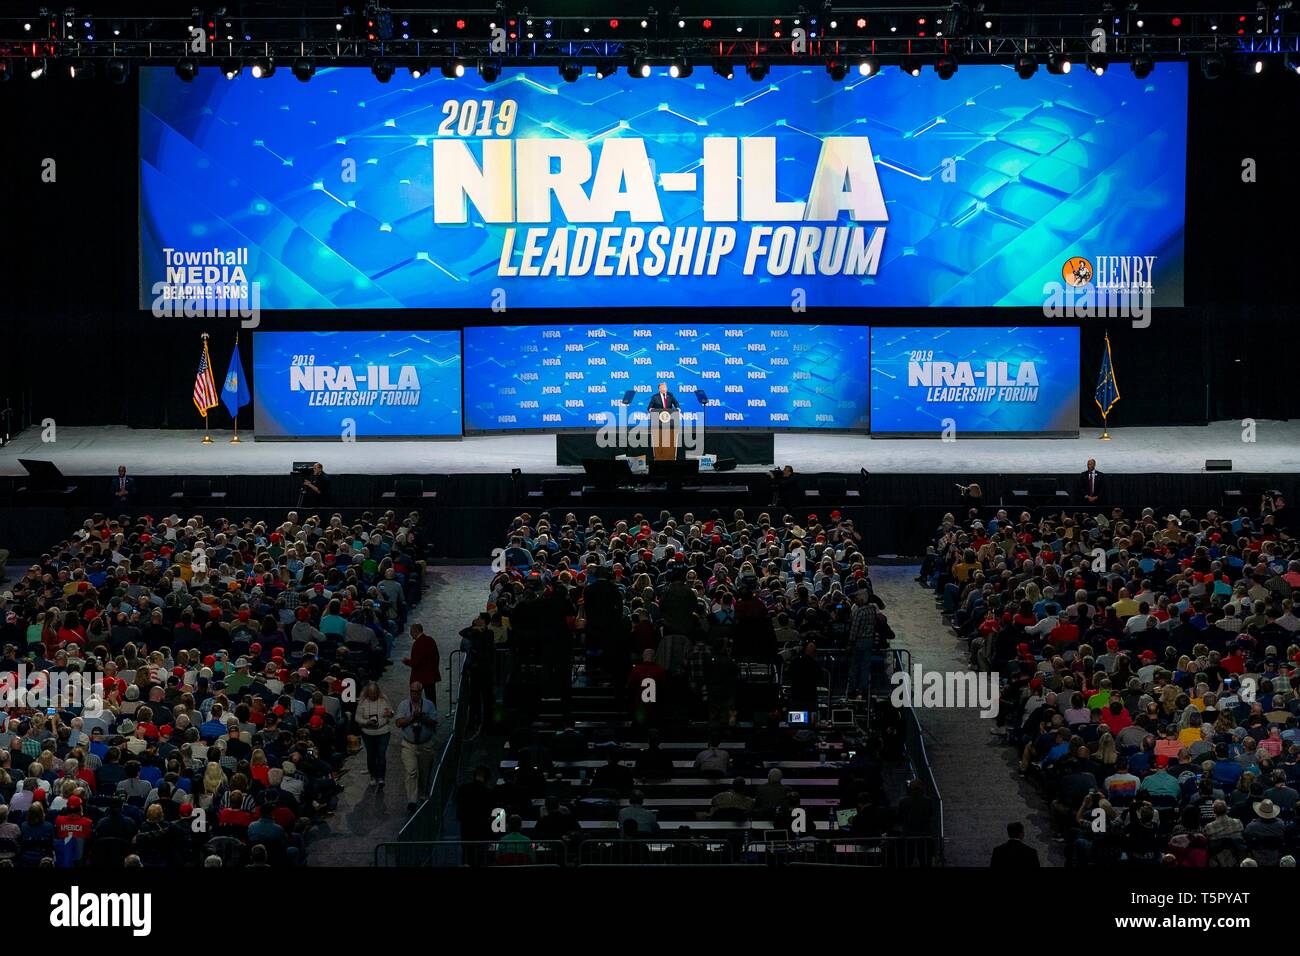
(613, 24)
(862, 23)
(1177, 21)
(460, 24)
(708, 24)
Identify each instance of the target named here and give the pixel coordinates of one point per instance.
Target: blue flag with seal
(1107, 388)
(234, 390)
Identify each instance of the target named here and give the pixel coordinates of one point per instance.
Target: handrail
(914, 741)
(453, 689)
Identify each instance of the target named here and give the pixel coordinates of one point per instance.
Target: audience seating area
(1147, 670)
(692, 687)
(218, 662)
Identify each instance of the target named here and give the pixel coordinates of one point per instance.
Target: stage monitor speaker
(555, 489)
(675, 470)
(607, 472)
(1042, 487)
(1218, 464)
(832, 487)
(44, 474)
(197, 487)
(408, 487)
(725, 464)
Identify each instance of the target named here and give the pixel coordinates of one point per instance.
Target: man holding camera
(417, 719)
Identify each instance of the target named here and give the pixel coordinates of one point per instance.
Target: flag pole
(1105, 412)
(207, 438)
(234, 440)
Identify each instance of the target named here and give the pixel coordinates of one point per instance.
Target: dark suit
(1014, 854)
(1095, 487)
(657, 402)
(116, 484)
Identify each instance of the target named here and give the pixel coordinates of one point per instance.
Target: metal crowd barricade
(478, 853)
(889, 851)
(655, 852)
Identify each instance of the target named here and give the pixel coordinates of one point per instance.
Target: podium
(664, 431)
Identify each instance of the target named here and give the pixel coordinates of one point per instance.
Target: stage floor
(1183, 450)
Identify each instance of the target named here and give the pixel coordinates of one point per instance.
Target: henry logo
(74, 910)
(1077, 271)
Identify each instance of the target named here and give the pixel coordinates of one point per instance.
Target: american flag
(205, 390)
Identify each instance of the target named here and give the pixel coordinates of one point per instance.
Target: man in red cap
(72, 828)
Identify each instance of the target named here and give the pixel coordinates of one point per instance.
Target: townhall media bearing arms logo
(1106, 287)
(207, 284)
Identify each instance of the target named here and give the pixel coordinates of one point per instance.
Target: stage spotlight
(836, 69)
(869, 67)
(118, 70)
(1058, 64)
(723, 68)
(1256, 67)
(1026, 66)
(1097, 63)
(946, 66)
(605, 68)
(382, 70)
(231, 68)
(6, 68)
(417, 70)
(638, 69)
(453, 69)
(571, 70)
(1212, 65)
(1142, 64)
(1293, 64)
(489, 70)
(304, 69)
(680, 68)
(37, 69)
(757, 70)
(186, 69)
(263, 68)
(911, 69)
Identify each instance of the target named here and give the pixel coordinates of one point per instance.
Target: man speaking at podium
(663, 400)
(663, 426)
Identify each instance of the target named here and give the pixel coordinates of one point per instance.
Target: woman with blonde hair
(213, 780)
(1169, 700)
(258, 767)
(374, 715)
(1107, 754)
